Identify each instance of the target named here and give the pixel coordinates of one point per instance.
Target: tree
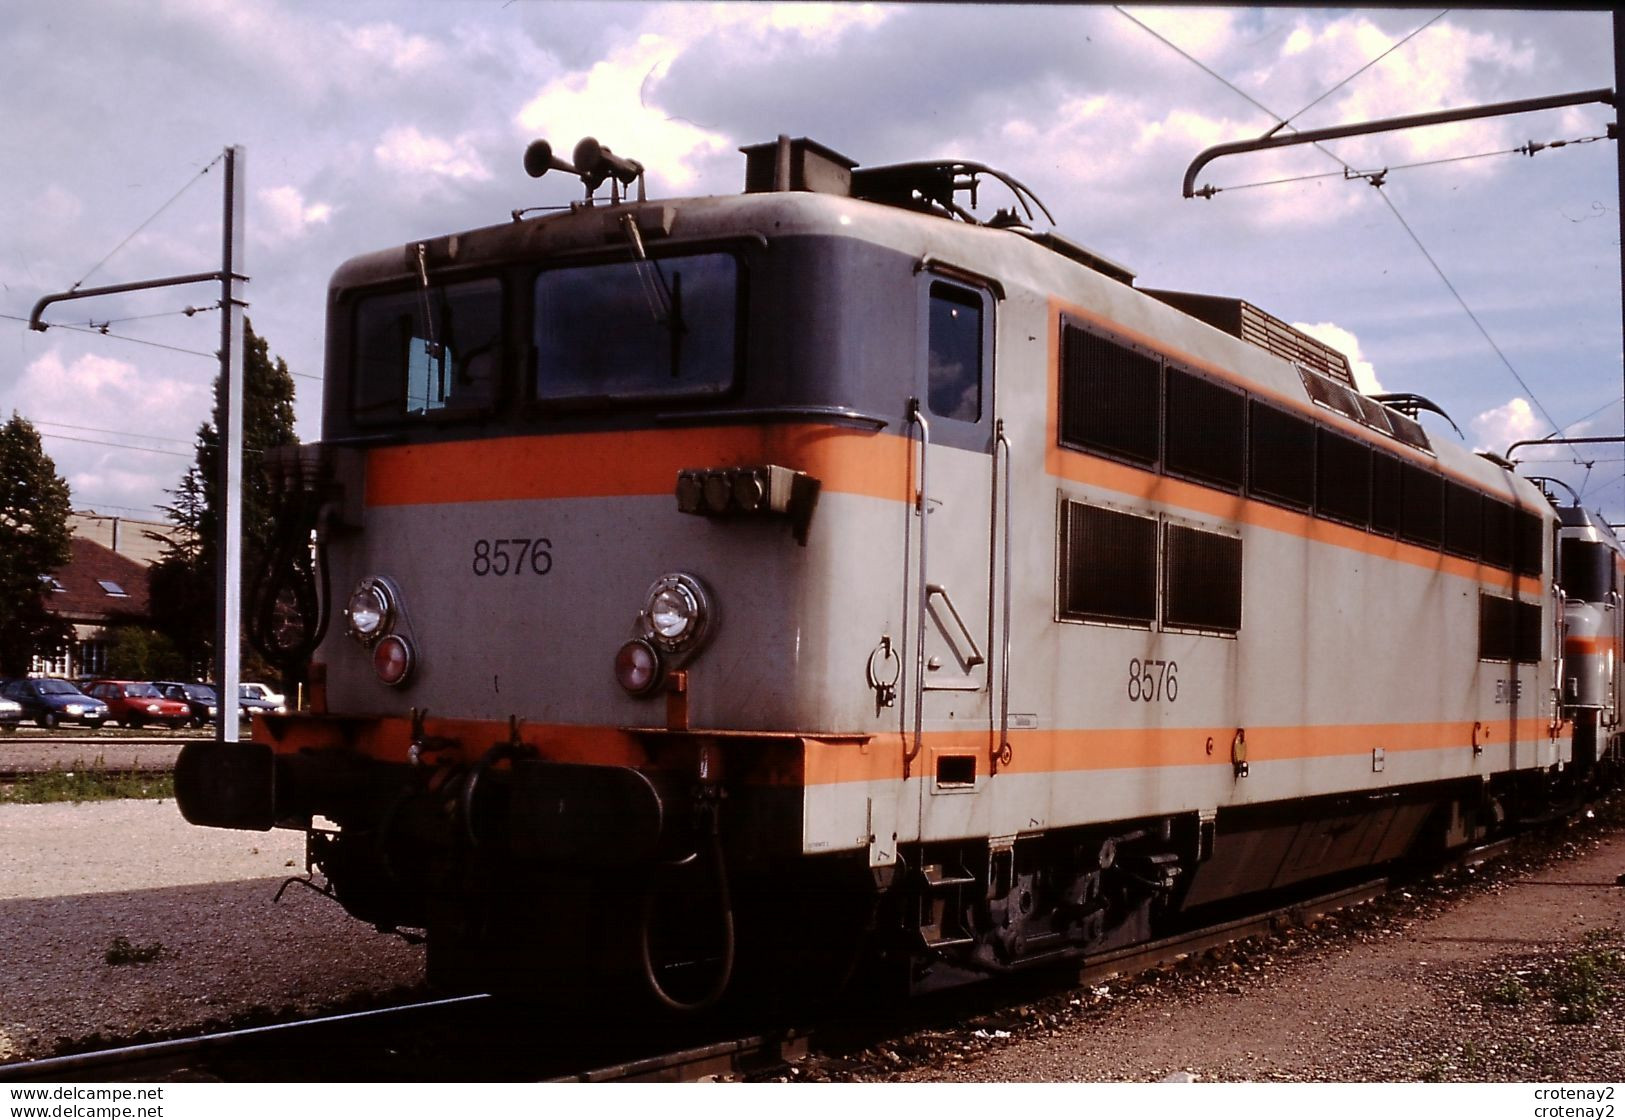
(183, 581)
(180, 599)
(33, 543)
(139, 654)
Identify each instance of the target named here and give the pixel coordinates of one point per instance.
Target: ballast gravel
(1509, 973)
(121, 922)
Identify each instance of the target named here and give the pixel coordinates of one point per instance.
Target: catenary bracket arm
(38, 324)
(1391, 124)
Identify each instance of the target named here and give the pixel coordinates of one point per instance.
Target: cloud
(285, 215)
(387, 46)
(84, 404)
(610, 101)
(408, 150)
(1498, 428)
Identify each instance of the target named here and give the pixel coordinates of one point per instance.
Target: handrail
(975, 657)
(922, 506)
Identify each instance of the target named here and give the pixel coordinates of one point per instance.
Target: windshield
(55, 688)
(140, 690)
(427, 351)
(637, 329)
(1588, 570)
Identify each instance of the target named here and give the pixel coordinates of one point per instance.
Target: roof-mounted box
(796, 165)
(1248, 323)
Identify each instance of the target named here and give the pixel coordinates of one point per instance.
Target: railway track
(476, 1038)
(22, 755)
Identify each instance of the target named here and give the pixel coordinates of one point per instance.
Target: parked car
(137, 703)
(200, 699)
(51, 701)
(11, 714)
(250, 706)
(252, 690)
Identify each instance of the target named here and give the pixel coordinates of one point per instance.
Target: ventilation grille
(1108, 566)
(1202, 585)
(1207, 430)
(1283, 457)
(1343, 491)
(1111, 396)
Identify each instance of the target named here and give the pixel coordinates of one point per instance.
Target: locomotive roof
(1227, 337)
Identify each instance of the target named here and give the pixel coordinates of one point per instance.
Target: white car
(249, 690)
(11, 714)
(259, 698)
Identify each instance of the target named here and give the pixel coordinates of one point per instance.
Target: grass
(1582, 986)
(1510, 992)
(1579, 986)
(85, 783)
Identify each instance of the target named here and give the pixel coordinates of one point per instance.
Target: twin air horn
(592, 161)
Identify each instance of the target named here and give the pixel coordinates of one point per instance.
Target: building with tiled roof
(96, 590)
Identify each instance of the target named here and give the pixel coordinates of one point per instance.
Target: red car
(134, 703)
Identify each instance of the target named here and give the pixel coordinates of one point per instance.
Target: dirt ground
(120, 921)
(1514, 976)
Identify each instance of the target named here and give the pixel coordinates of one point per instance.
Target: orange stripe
(1057, 751)
(1578, 644)
(1147, 485)
(623, 464)
(854, 758)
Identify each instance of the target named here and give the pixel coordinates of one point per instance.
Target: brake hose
(725, 976)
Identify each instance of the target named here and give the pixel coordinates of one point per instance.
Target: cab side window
(954, 373)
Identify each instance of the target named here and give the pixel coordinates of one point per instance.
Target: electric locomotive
(1590, 560)
(728, 591)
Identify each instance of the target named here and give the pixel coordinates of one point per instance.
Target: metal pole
(1619, 153)
(229, 568)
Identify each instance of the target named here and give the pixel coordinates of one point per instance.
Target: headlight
(677, 611)
(74, 709)
(153, 709)
(371, 609)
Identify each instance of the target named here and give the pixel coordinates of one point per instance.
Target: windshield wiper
(667, 302)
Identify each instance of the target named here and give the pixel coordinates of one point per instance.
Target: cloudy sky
(1490, 285)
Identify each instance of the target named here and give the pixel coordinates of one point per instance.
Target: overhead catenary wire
(189, 311)
(1288, 120)
(211, 444)
(110, 432)
(153, 217)
(123, 446)
(1375, 181)
(122, 338)
(212, 355)
(1484, 331)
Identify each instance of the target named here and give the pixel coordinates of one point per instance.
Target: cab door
(954, 427)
